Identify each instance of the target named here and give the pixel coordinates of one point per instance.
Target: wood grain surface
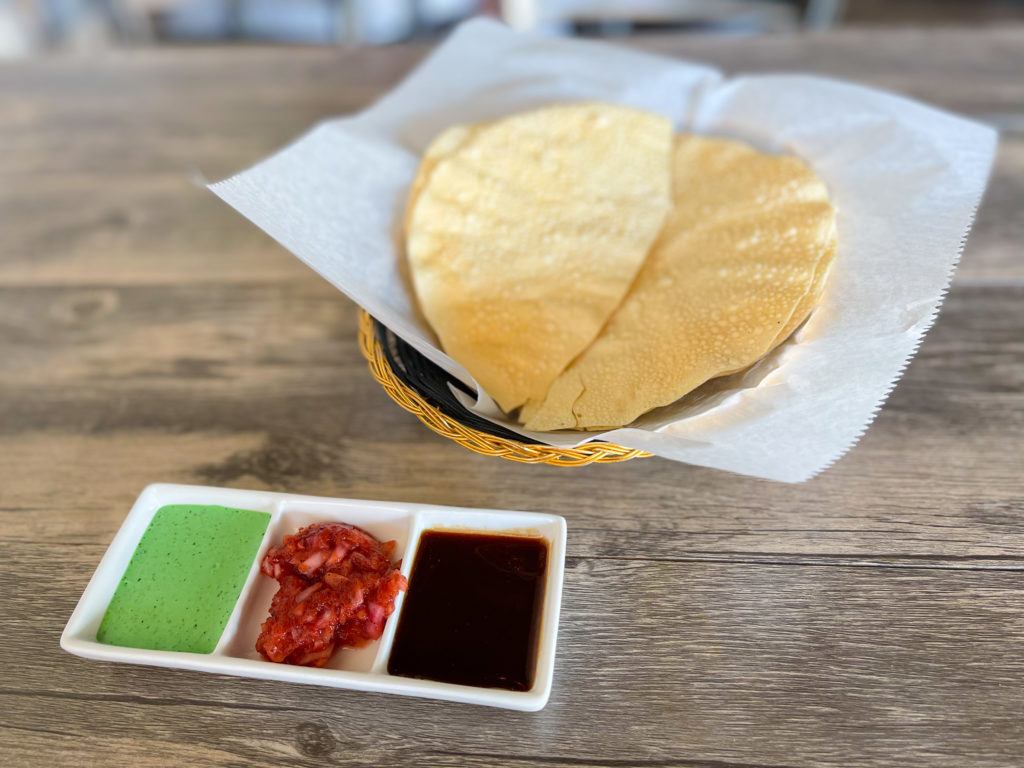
(871, 617)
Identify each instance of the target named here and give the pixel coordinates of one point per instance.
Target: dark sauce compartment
(473, 610)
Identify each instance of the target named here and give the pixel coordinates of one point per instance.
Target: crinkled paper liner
(906, 179)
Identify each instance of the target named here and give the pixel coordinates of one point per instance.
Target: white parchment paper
(905, 178)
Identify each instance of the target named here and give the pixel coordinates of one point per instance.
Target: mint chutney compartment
(383, 522)
(179, 588)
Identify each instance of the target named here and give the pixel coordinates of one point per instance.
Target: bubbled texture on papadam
(739, 265)
(523, 236)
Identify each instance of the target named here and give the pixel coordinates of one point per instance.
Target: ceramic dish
(363, 669)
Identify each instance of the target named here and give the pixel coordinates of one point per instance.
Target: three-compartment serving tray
(363, 669)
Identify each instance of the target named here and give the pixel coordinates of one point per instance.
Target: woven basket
(424, 390)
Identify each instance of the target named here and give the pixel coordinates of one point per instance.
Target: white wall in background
(311, 21)
(300, 21)
(383, 21)
(17, 38)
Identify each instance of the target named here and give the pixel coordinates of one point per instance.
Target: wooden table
(871, 617)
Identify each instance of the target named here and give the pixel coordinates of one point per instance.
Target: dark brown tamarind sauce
(472, 612)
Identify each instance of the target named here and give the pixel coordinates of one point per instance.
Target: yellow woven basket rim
(467, 437)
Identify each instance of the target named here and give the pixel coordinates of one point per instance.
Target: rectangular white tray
(363, 669)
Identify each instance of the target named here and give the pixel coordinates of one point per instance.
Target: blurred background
(40, 27)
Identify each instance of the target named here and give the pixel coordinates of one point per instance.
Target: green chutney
(184, 578)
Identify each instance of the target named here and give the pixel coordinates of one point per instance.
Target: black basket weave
(425, 390)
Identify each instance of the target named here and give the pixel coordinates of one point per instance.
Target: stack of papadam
(525, 236)
(740, 264)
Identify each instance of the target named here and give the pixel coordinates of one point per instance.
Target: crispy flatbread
(727, 280)
(524, 235)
